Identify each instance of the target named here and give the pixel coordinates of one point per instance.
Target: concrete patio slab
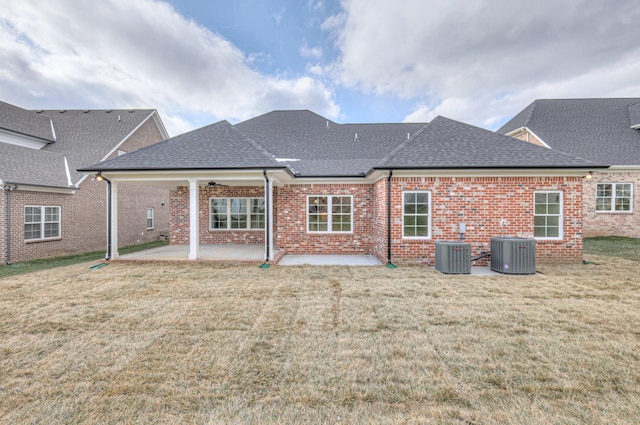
(329, 260)
(231, 253)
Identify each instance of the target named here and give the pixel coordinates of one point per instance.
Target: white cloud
(311, 52)
(137, 53)
(479, 61)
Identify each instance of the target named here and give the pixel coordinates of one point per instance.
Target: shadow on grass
(49, 263)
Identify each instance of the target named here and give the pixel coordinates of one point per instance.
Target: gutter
(389, 263)
(267, 207)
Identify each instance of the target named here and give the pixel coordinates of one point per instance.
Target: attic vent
(86, 111)
(108, 111)
(62, 111)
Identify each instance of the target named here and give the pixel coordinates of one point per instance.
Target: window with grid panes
(330, 213)
(614, 197)
(416, 214)
(41, 222)
(547, 218)
(236, 213)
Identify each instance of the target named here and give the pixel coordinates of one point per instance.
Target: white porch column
(114, 220)
(194, 220)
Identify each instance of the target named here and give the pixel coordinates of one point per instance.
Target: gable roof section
(216, 146)
(595, 129)
(26, 166)
(24, 122)
(449, 144)
(87, 136)
(321, 147)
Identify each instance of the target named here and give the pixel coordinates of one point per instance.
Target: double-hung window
(150, 218)
(416, 215)
(614, 197)
(330, 213)
(547, 218)
(41, 222)
(236, 213)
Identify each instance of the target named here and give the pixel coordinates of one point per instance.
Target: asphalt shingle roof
(323, 147)
(216, 146)
(310, 145)
(87, 136)
(595, 129)
(449, 144)
(84, 137)
(18, 120)
(31, 166)
(634, 115)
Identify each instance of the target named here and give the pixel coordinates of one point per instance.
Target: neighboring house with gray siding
(605, 131)
(47, 207)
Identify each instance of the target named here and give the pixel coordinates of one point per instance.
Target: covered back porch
(196, 239)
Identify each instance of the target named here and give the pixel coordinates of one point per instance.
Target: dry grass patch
(195, 343)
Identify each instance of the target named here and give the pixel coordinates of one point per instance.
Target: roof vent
(355, 138)
(62, 111)
(327, 123)
(408, 136)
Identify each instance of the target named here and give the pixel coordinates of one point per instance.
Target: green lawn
(49, 263)
(613, 246)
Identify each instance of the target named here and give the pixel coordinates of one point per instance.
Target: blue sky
(200, 62)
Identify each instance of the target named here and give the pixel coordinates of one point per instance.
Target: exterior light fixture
(589, 176)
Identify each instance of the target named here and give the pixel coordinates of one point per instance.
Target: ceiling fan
(214, 184)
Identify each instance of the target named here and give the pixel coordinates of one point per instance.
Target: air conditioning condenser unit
(453, 257)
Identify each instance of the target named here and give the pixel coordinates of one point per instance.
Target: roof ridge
(254, 143)
(402, 145)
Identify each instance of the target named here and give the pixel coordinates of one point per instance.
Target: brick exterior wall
(3, 226)
(291, 230)
(83, 214)
(380, 228)
(490, 207)
(179, 221)
(602, 223)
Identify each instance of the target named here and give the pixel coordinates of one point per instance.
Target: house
(601, 130)
(47, 208)
(299, 183)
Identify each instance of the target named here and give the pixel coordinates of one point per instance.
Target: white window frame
(330, 214)
(560, 215)
(42, 222)
(152, 218)
(429, 214)
(249, 215)
(614, 197)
